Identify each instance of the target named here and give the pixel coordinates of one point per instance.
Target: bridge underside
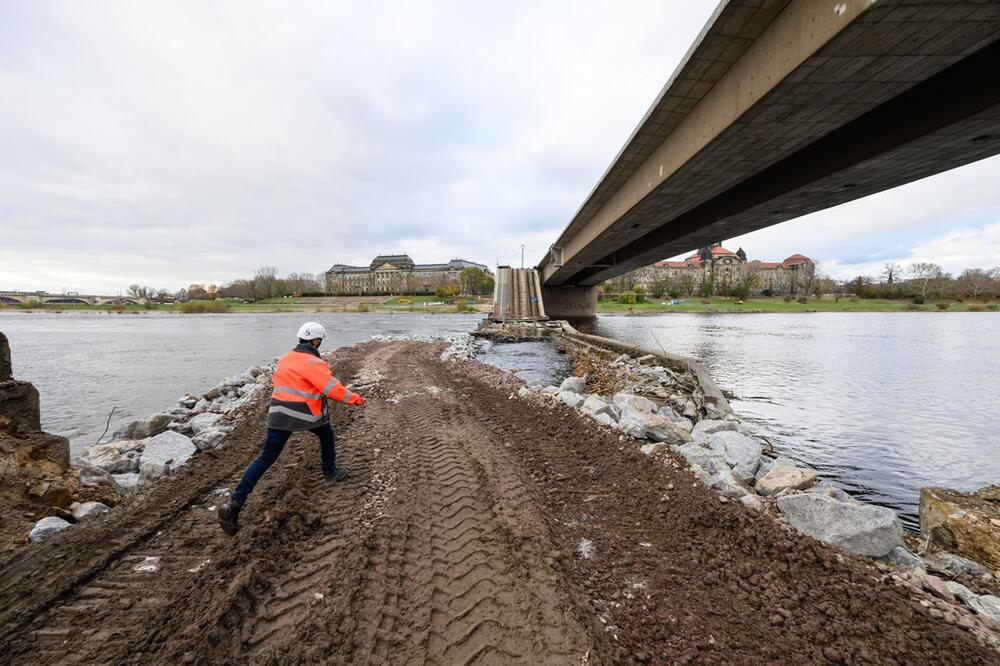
(817, 109)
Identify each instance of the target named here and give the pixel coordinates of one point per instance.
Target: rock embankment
(665, 411)
(62, 491)
(36, 482)
(154, 447)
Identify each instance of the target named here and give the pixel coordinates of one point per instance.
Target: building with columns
(395, 274)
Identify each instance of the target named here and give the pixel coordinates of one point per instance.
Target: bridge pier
(569, 302)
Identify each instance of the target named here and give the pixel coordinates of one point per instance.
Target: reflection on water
(84, 364)
(883, 403)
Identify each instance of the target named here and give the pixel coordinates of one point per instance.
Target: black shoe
(229, 517)
(338, 474)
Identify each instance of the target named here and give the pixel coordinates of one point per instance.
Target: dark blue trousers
(273, 445)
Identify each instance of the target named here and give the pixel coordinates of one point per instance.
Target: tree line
(264, 283)
(922, 280)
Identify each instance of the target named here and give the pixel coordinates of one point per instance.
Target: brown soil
(454, 541)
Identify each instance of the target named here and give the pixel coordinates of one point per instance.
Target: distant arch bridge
(44, 298)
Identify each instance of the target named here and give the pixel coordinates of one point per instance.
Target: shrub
(203, 307)
(993, 306)
(803, 300)
(943, 305)
(854, 299)
(973, 307)
(787, 299)
(363, 307)
(919, 300)
(628, 298)
(405, 301)
(675, 293)
(462, 306)
(740, 291)
(30, 304)
(767, 292)
(912, 307)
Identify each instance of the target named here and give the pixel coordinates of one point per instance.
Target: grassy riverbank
(405, 304)
(715, 304)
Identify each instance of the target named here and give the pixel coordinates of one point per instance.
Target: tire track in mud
(466, 590)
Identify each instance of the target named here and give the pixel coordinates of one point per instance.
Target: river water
(83, 364)
(882, 404)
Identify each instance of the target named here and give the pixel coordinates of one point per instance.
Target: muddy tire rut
(454, 541)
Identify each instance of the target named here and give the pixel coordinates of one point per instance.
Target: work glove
(355, 399)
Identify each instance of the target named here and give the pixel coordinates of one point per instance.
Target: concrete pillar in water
(570, 302)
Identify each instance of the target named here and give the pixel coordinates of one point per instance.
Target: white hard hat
(312, 331)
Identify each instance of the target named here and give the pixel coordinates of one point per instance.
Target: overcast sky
(166, 143)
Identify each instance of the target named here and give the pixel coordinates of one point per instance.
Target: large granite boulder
(573, 384)
(963, 523)
(203, 422)
(143, 428)
(571, 398)
(109, 458)
(46, 527)
(741, 452)
(170, 449)
(644, 424)
(595, 404)
(862, 529)
(128, 481)
(209, 439)
(83, 510)
(786, 477)
(704, 457)
(702, 429)
(623, 400)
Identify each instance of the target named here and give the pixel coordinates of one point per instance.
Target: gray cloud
(167, 143)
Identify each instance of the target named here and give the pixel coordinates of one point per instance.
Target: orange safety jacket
(302, 383)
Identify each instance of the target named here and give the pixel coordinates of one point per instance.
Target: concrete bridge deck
(782, 108)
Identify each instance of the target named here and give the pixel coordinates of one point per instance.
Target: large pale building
(724, 270)
(395, 274)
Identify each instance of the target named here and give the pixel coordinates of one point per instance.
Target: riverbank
(721, 305)
(469, 507)
(310, 305)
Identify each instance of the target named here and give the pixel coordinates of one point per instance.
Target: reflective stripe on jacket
(302, 383)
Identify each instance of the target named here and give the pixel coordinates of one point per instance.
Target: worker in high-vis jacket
(302, 383)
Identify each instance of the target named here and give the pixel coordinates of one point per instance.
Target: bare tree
(265, 282)
(974, 282)
(891, 272)
(196, 292)
(924, 274)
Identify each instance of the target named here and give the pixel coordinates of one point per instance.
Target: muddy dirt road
(474, 529)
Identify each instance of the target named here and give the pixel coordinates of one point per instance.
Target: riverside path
(476, 527)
